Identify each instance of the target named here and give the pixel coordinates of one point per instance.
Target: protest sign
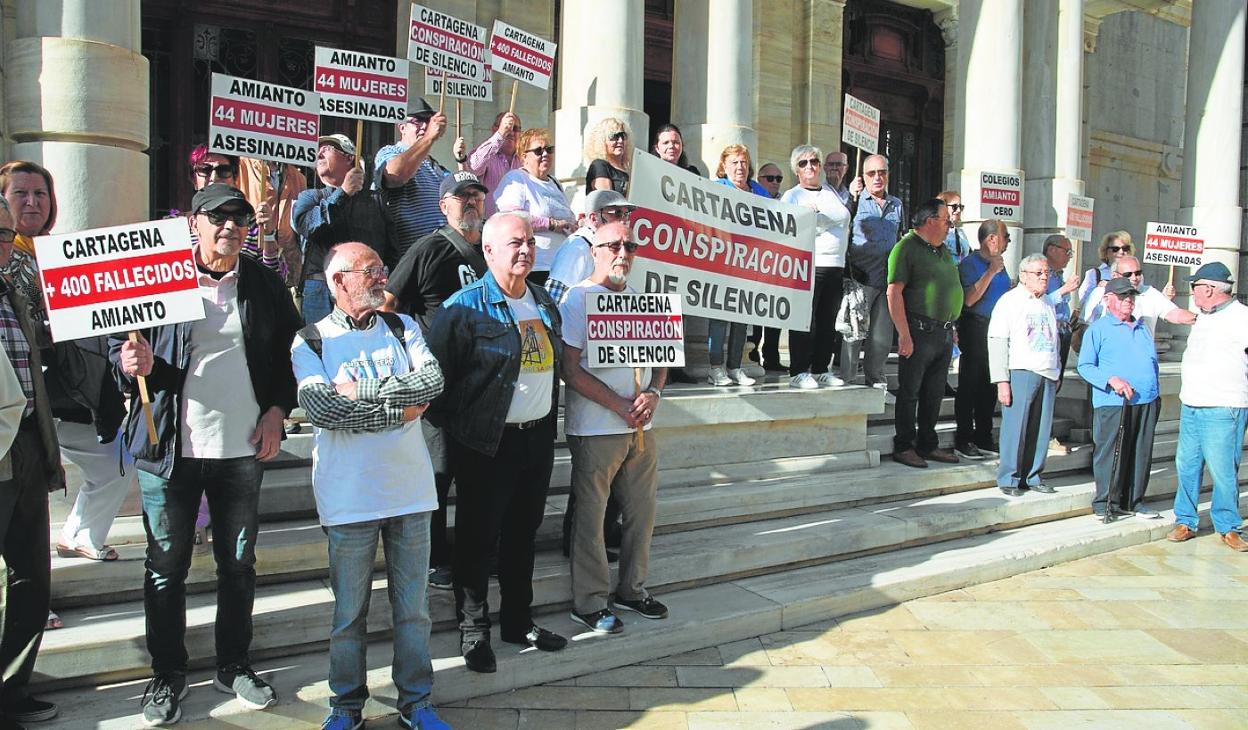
(522, 55)
(441, 41)
(1173, 244)
(860, 124)
(266, 121)
(1001, 196)
(1079, 218)
(458, 88)
(633, 329)
(728, 254)
(361, 85)
(121, 278)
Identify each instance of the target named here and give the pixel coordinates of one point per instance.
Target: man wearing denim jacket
(498, 342)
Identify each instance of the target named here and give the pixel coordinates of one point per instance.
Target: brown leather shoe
(944, 456)
(1235, 541)
(1181, 533)
(910, 458)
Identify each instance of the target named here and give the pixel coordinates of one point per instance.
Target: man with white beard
(603, 412)
(365, 377)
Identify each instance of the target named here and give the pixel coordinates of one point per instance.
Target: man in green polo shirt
(924, 299)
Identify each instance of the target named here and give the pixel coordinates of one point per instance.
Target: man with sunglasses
(770, 177)
(603, 412)
(574, 261)
(219, 388)
(409, 178)
(1151, 303)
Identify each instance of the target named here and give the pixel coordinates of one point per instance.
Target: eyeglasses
(1116, 249)
(771, 178)
(617, 136)
(1195, 286)
(541, 151)
(615, 246)
(422, 119)
(207, 170)
(1043, 273)
(7, 235)
(242, 220)
(808, 163)
(1126, 274)
(876, 173)
(1063, 249)
(956, 207)
(375, 272)
(616, 213)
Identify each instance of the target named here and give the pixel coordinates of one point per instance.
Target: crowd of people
(424, 324)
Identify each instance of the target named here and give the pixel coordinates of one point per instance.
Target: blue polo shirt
(1125, 349)
(973, 267)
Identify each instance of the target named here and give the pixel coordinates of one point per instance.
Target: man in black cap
(1214, 412)
(409, 177)
(433, 269)
(219, 387)
(339, 212)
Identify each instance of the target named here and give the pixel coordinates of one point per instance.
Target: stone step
(105, 641)
(705, 616)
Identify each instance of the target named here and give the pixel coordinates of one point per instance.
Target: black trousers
(440, 456)
(976, 401)
(770, 347)
(812, 351)
(921, 385)
(24, 535)
(1135, 457)
(500, 500)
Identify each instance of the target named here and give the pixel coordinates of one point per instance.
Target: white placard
(361, 85)
(458, 88)
(1001, 196)
(266, 121)
(633, 329)
(522, 55)
(441, 41)
(860, 124)
(1079, 217)
(1173, 244)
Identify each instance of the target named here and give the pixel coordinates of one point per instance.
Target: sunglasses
(7, 235)
(807, 163)
(617, 136)
(876, 173)
(540, 151)
(957, 207)
(375, 272)
(1044, 273)
(207, 170)
(1116, 249)
(616, 213)
(615, 246)
(242, 220)
(772, 178)
(1126, 274)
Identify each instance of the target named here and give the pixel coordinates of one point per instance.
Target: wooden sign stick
(512, 106)
(146, 400)
(858, 168)
(359, 142)
(442, 96)
(641, 430)
(459, 132)
(1170, 281)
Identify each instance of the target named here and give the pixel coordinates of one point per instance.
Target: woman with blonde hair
(1114, 245)
(609, 150)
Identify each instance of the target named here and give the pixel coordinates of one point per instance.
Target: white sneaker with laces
(828, 380)
(717, 376)
(889, 399)
(803, 381)
(739, 376)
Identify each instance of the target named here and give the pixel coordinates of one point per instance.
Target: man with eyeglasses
(340, 211)
(603, 412)
(219, 388)
(1022, 342)
(409, 177)
(1214, 412)
(1151, 304)
(1057, 252)
(1118, 361)
(770, 177)
(835, 165)
(984, 281)
(365, 378)
(433, 269)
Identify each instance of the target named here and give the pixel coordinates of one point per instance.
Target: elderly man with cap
(340, 211)
(1214, 412)
(574, 261)
(219, 388)
(433, 269)
(410, 179)
(1118, 360)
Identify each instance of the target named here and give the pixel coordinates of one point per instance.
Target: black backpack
(312, 335)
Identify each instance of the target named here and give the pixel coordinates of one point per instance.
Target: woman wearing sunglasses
(956, 241)
(1114, 245)
(609, 149)
(532, 189)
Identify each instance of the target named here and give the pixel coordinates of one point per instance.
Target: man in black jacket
(220, 388)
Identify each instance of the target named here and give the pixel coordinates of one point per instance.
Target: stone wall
(7, 24)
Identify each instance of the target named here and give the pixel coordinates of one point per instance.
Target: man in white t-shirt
(573, 262)
(365, 378)
(1023, 361)
(1214, 412)
(1151, 303)
(609, 457)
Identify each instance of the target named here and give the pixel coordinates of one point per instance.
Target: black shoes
(479, 657)
(647, 607)
(599, 622)
(1012, 491)
(539, 639)
(441, 578)
(29, 709)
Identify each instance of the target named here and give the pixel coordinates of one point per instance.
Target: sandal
(104, 554)
(53, 622)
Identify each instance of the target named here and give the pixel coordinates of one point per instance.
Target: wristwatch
(657, 393)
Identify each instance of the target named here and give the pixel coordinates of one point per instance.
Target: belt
(927, 323)
(319, 276)
(526, 425)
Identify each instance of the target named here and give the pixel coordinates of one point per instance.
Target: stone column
(76, 94)
(817, 100)
(600, 75)
(1212, 128)
(1052, 117)
(955, 101)
(990, 81)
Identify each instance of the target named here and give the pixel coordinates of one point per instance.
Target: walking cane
(1115, 479)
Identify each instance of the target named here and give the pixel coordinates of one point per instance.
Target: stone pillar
(990, 79)
(600, 75)
(955, 100)
(817, 98)
(76, 94)
(1052, 144)
(1212, 128)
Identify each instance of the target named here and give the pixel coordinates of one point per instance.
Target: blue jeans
(169, 509)
(1026, 424)
(352, 549)
(717, 331)
(1212, 437)
(316, 302)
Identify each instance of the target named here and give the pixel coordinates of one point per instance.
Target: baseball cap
(1121, 287)
(215, 195)
(600, 199)
(459, 181)
(341, 141)
(1212, 271)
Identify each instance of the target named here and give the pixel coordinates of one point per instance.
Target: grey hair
(490, 230)
(802, 150)
(1053, 240)
(1222, 286)
(1034, 258)
(1114, 267)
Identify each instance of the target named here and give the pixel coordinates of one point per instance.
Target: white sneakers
(828, 380)
(736, 376)
(889, 398)
(806, 381)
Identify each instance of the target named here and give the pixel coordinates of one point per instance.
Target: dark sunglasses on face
(957, 207)
(617, 136)
(242, 220)
(1116, 249)
(772, 178)
(629, 246)
(876, 173)
(539, 151)
(807, 163)
(7, 235)
(207, 170)
(1128, 274)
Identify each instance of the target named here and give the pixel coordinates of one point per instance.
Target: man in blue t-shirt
(409, 178)
(984, 280)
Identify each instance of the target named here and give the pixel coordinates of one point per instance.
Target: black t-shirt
(431, 271)
(602, 168)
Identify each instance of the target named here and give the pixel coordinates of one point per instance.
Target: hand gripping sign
(441, 41)
(361, 85)
(728, 254)
(266, 121)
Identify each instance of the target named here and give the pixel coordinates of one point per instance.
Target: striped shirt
(413, 205)
(17, 348)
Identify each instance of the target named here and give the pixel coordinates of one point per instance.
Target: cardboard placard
(361, 85)
(729, 254)
(1173, 244)
(1001, 196)
(441, 41)
(1079, 217)
(265, 121)
(860, 124)
(522, 55)
(633, 329)
(120, 278)
(459, 88)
